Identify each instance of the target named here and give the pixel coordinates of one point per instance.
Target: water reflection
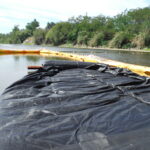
(14, 68)
(16, 58)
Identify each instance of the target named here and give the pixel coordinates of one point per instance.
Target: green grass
(69, 45)
(28, 44)
(146, 49)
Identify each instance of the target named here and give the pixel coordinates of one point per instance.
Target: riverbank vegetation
(130, 29)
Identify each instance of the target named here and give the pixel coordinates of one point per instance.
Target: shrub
(83, 38)
(121, 40)
(142, 40)
(97, 40)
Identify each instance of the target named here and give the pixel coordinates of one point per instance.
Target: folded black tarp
(76, 106)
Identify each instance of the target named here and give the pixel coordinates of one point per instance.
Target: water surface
(14, 68)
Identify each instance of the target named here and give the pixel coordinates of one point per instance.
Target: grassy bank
(103, 48)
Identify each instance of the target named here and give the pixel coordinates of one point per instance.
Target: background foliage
(130, 29)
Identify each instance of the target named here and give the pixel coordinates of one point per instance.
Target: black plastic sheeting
(76, 106)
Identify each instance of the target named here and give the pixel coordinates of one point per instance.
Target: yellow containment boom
(2, 51)
(141, 70)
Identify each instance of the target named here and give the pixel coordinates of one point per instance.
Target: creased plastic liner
(76, 106)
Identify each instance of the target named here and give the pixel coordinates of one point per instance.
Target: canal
(14, 67)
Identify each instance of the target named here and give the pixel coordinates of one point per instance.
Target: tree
(5, 38)
(129, 28)
(14, 35)
(31, 27)
(59, 33)
(49, 25)
(23, 35)
(39, 36)
(15, 29)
